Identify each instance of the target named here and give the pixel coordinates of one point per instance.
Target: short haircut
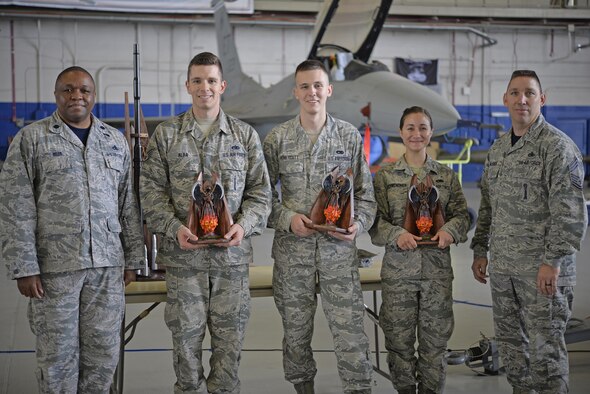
(311, 64)
(73, 69)
(526, 73)
(415, 110)
(204, 59)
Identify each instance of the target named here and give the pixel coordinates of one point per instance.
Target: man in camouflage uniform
(417, 279)
(531, 221)
(70, 223)
(299, 154)
(207, 285)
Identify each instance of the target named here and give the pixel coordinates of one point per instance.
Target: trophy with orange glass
(209, 217)
(333, 209)
(424, 215)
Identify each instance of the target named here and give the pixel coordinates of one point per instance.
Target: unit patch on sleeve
(575, 173)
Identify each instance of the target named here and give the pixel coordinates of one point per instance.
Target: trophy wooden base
(426, 241)
(209, 241)
(326, 228)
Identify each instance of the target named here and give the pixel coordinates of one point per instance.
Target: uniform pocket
(233, 179)
(114, 163)
(292, 177)
(58, 241)
(56, 164)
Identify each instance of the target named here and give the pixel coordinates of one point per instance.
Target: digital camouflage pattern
(68, 213)
(208, 286)
(392, 183)
(68, 362)
(301, 169)
(416, 284)
(177, 152)
(532, 205)
(67, 207)
(532, 212)
(543, 367)
(218, 297)
(425, 305)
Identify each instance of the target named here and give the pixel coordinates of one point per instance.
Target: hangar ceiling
(460, 8)
(483, 14)
(505, 8)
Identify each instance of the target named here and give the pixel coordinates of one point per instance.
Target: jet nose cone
(390, 94)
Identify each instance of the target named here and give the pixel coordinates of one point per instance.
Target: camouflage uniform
(68, 213)
(298, 260)
(532, 212)
(417, 284)
(207, 286)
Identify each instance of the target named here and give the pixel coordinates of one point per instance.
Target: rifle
(138, 150)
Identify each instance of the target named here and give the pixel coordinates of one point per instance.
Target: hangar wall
(471, 77)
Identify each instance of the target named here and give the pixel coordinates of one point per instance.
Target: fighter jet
(344, 37)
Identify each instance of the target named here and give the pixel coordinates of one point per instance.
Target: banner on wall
(424, 72)
(141, 6)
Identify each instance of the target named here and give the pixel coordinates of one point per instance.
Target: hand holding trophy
(209, 217)
(333, 209)
(424, 215)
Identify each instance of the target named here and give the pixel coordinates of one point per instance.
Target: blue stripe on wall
(577, 118)
(30, 112)
(563, 117)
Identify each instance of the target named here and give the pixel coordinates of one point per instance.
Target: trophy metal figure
(333, 210)
(424, 215)
(209, 217)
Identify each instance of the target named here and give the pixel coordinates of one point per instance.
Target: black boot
(304, 388)
(407, 390)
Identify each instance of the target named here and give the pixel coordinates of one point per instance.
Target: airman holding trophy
(421, 211)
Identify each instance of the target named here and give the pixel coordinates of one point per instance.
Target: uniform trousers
(294, 287)
(213, 297)
(421, 308)
(77, 324)
(530, 330)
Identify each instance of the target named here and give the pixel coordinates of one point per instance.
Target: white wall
(269, 53)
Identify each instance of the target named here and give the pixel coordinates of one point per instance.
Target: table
(260, 286)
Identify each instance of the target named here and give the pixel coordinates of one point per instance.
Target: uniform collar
(329, 126)
(530, 136)
(535, 129)
(189, 123)
(97, 130)
(430, 166)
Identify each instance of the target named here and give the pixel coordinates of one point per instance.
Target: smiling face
(75, 95)
(524, 100)
(205, 85)
(416, 132)
(312, 89)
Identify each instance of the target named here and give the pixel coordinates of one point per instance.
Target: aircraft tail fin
(238, 82)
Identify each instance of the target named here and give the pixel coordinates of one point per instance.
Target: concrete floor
(148, 359)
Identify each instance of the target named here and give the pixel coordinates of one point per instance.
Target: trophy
(333, 209)
(424, 215)
(209, 217)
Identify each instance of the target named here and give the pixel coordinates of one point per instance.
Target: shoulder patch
(575, 178)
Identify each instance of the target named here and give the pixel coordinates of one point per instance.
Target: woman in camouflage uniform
(417, 280)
